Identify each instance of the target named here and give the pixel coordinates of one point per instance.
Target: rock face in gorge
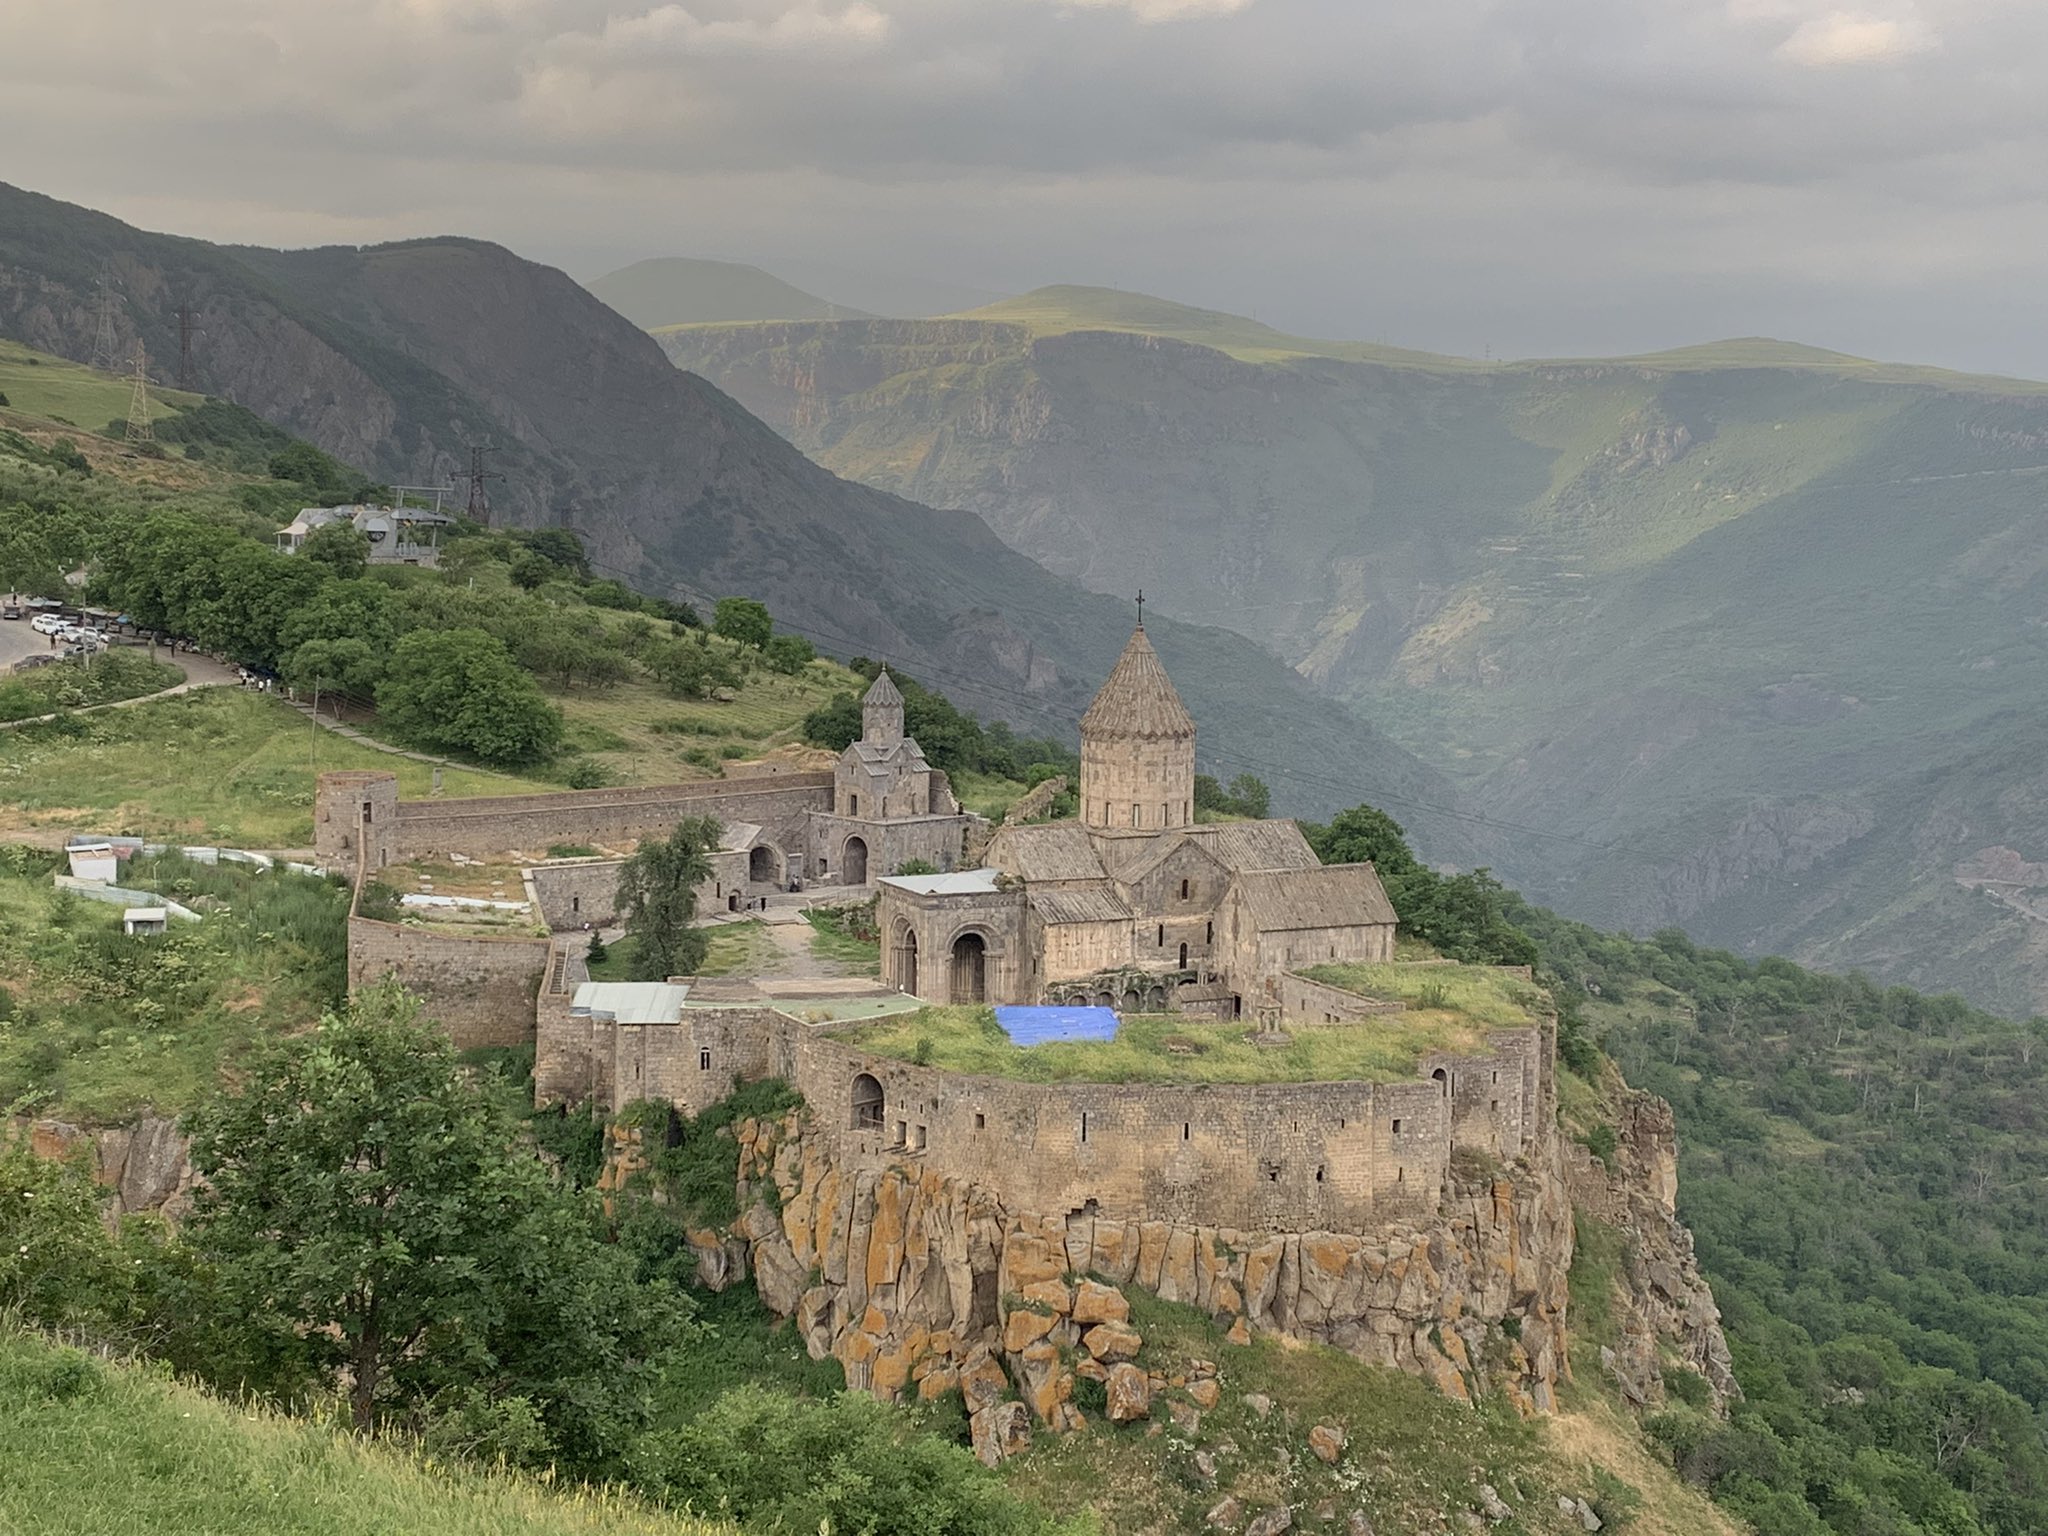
(918, 1283)
(396, 358)
(1714, 626)
(144, 1167)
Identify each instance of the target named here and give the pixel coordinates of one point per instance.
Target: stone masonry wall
(780, 805)
(482, 989)
(1278, 1156)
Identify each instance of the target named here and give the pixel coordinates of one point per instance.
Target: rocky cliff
(144, 1167)
(919, 1284)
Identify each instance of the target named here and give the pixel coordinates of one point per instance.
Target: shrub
(783, 1466)
(1601, 1142)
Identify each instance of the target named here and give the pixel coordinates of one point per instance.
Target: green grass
(859, 957)
(740, 949)
(97, 1449)
(1171, 1048)
(71, 685)
(216, 765)
(99, 1027)
(743, 1343)
(37, 384)
(1480, 993)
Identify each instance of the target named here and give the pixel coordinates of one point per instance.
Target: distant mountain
(397, 357)
(1750, 636)
(682, 290)
(899, 295)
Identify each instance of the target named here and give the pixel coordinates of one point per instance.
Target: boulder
(1492, 1506)
(1207, 1393)
(981, 1381)
(1327, 1441)
(1274, 1521)
(1259, 1403)
(1224, 1513)
(1000, 1431)
(1096, 1303)
(1022, 1329)
(1129, 1394)
(1359, 1523)
(1111, 1341)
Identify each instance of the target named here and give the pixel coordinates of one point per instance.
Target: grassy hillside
(1701, 633)
(101, 1449)
(682, 290)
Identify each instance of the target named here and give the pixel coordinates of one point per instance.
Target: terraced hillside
(1745, 636)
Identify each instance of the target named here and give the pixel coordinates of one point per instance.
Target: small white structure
(136, 920)
(397, 535)
(94, 861)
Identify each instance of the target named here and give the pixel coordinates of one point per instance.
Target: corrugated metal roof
(1138, 699)
(1054, 850)
(632, 1002)
(1335, 896)
(962, 882)
(1092, 904)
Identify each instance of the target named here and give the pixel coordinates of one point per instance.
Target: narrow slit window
(703, 1061)
(1397, 1127)
(1084, 1125)
(1186, 1128)
(980, 1121)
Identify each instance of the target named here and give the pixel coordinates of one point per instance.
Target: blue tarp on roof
(1036, 1026)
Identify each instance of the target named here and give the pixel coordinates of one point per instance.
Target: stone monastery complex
(926, 1223)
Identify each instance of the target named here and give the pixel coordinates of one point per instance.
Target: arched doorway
(867, 1102)
(906, 960)
(1104, 1000)
(1131, 1001)
(1443, 1080)
(763, 868)
(853, 862)
(970, 969)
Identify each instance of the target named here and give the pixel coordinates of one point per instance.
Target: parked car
(46, 623)
(10, 612)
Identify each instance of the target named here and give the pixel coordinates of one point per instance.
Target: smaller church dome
(882, 691)
(1139, 699)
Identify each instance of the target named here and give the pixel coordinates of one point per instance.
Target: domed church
(1132, 905)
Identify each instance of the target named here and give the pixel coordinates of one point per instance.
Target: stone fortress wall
(1330, 1156)
(480, 987)
(398, 830)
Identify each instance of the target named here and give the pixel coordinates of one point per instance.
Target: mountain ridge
(1691, 627)
(397, 358)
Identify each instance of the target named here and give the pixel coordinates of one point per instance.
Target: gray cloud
(1533, 176)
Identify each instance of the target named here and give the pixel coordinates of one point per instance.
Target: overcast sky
(1534, 177)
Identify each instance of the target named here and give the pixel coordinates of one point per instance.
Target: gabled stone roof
(1051, 851)
(1243, 845)
(1139, 699)
(1335, 896)
(1090, 904)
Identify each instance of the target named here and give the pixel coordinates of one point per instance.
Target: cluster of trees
(376, 1221)
(1245, 795)
(1865, 1169)
(952, 739)
(1465, 916)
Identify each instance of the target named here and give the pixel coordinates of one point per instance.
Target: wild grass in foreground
(99, 1449)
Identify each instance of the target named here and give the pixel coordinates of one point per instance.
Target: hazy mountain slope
(1711, 628)
(683, 290)
(397, 357)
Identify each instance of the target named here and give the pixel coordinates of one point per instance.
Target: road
(18, 640)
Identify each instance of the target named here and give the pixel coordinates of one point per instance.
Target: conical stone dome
(1139, 699)
(1137, 749)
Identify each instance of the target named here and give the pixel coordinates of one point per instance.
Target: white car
(46, 623)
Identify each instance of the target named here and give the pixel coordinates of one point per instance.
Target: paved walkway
(200, 672)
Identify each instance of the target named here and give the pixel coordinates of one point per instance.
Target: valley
(1701, 634)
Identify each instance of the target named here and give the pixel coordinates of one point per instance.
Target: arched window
(1208, 933)
(1183, 957)
(1183, 890)
(1162, 936)
(1137, 816)
(852, 804)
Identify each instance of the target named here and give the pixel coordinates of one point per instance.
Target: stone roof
(1243, 845)
(1048, 851)
(882, 691)
(1090, 904)
(1139, 699)
(1334, 896)
(738, 836)
(880, 754)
